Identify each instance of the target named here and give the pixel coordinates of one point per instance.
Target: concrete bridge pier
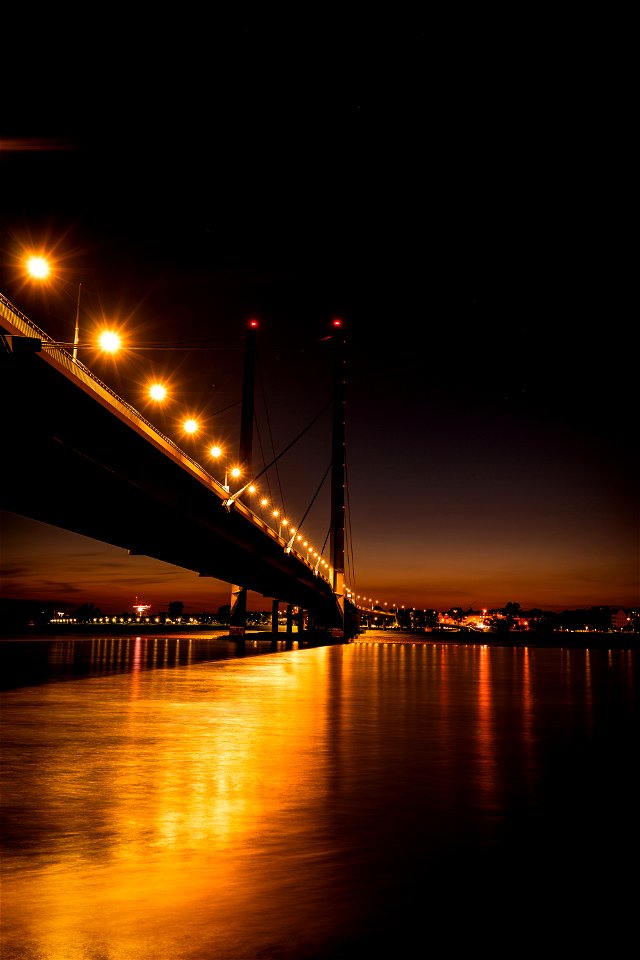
(238, 615)
(289, 638)
(275, 604)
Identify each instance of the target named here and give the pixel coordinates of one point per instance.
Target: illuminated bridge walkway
(83, 459)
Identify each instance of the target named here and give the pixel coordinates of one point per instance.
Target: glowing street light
(216, 452)
(281, 521)
(39, 268)
(158, 391)
(292, 531)
(109, 341)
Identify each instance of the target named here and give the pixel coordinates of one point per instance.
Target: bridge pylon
(238, 605)
(339, 623)
(338, 469)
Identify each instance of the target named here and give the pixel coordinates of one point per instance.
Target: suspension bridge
(83, 459)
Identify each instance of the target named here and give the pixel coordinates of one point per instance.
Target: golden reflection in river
(152, 803)
(287, 805)
(588, 687)
(576, 672)
(485, 773)
(528, 715)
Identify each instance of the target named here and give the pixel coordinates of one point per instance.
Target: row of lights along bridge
(39, 268)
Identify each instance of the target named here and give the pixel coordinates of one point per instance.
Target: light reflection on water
(321, 803)
(26, 661)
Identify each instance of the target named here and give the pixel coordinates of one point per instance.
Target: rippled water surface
(354, 800)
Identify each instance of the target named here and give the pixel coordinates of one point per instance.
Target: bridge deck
(80, 458)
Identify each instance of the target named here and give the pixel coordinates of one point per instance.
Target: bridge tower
(338, 467)
(238, 605)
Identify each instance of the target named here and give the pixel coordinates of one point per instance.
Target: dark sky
(449, 200)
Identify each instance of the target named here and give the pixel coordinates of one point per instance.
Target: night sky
(437, 199)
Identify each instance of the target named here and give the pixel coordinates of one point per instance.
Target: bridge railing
(55, 354)
(77, 369)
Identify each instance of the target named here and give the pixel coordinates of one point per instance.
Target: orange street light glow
(157, 391)
(110, 341)
(190, 425)
(38, 267)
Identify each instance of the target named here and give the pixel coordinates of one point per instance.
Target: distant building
(620, 620)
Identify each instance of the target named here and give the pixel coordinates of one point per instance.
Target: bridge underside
(72, 463)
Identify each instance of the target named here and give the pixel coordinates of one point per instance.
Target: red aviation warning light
(253, 324)
(336, 322)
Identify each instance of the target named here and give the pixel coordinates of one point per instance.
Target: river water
(359, 800)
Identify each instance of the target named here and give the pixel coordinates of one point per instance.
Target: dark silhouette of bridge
(81, 458)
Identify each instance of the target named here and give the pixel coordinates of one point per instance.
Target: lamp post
(217, 452)
(282, 522)
(39, 268)
(76, 335)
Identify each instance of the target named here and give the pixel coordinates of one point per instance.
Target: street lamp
(281, 521)
(217, 452)
(109, 341)
(158, 391)
(39, 268)
(76, 333)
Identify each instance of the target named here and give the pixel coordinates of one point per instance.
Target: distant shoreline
(526, 638)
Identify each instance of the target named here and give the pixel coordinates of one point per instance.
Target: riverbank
(529, 638)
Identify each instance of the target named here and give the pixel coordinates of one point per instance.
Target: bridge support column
(289, 637)
(238, 612)
(338, 461)
(274, 624)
